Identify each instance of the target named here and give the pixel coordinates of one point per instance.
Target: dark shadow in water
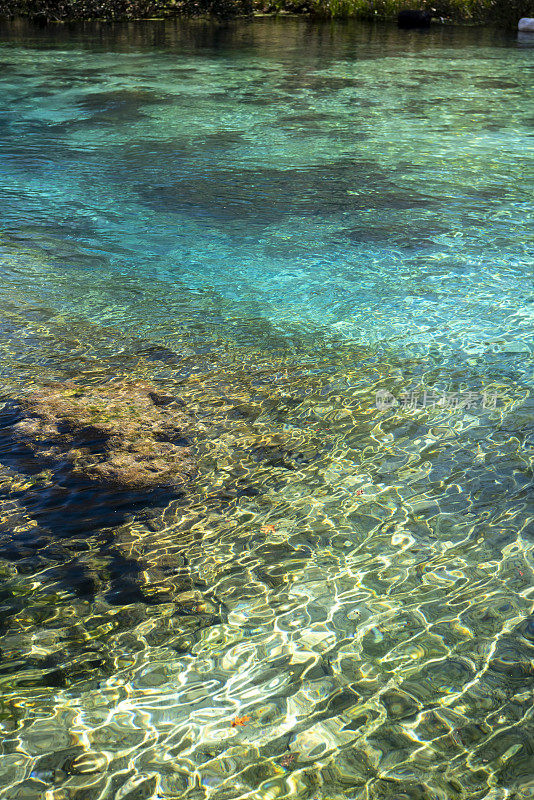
(295, 39)
(232, 196)
(70, 512)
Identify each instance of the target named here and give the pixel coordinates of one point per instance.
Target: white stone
(526, 24)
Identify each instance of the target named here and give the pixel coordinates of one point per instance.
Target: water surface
(275, 220)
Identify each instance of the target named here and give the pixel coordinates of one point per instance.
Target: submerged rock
(126, 435)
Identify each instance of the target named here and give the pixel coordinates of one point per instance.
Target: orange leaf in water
(239, 721)
(268, 529)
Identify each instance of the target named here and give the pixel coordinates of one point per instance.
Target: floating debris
(239, 721)
(268, 529)
(288, 759)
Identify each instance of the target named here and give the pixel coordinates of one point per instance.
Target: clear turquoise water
(289, 217)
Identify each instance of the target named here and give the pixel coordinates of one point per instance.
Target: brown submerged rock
(126, 435)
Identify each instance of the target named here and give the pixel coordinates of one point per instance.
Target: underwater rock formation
(125, 435)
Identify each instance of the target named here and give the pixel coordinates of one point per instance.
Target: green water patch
(356, 595)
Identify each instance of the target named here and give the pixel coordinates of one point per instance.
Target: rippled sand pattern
(340, 604)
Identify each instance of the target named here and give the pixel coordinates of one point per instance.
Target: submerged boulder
(122, 434)
(414, 19)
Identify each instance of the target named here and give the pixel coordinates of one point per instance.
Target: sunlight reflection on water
(273, 221)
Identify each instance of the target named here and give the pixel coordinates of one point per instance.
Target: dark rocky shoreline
(504, 13)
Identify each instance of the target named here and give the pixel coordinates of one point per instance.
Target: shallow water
(275, 220)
